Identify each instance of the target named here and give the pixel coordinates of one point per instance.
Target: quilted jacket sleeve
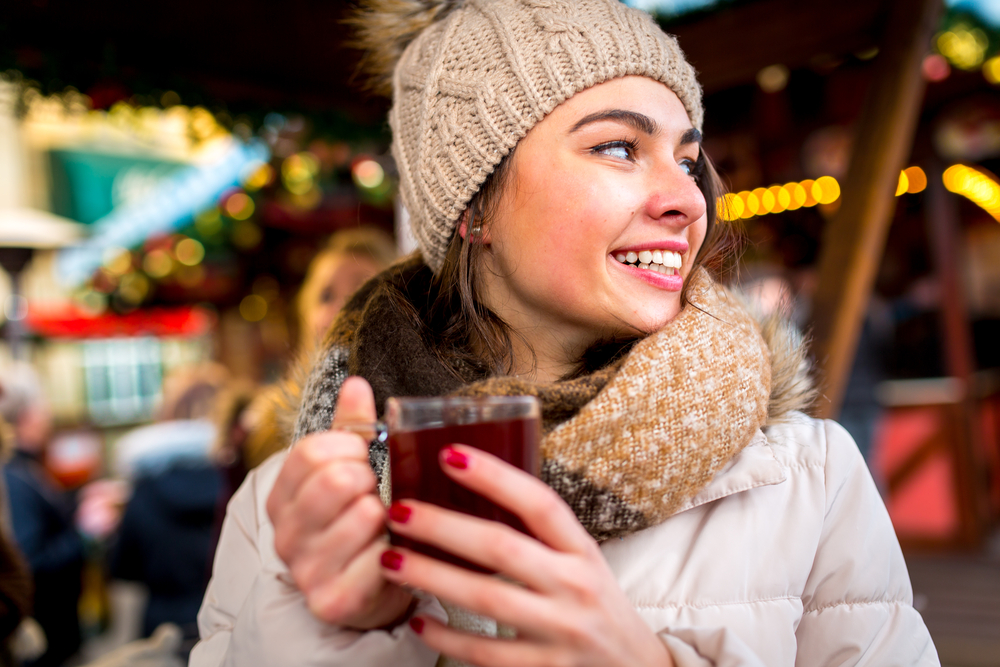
(858, 603)
(253, 614)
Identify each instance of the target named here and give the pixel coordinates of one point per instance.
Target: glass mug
(417, 429)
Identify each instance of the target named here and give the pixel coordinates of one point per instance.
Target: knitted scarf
(625, 446)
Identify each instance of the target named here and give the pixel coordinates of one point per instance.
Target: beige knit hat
(469, 79)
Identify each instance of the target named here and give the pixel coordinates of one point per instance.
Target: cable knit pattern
(472, 84)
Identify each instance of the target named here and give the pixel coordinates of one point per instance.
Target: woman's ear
(479, 235)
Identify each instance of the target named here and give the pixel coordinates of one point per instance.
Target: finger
(355, 404)
(541, 509)
(325, 554)
(479, 650)
(483, 594)
(491, 544)
(308, 455)
(325, 494)
(361, 596)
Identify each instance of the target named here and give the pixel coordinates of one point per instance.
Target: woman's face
(601, 220)
(337, 278)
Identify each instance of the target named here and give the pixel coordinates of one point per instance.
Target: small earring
(476, 231)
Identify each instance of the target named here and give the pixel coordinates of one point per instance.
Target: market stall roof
(283, 54)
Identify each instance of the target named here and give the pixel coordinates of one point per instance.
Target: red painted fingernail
(399, 512)
(392, 560)
(455, 458)
(417, 624)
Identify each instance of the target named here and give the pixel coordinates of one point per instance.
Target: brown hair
(465, 331)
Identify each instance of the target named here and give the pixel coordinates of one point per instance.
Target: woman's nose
(674, 197)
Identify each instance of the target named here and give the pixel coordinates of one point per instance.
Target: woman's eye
(687, 166)
(622, 150)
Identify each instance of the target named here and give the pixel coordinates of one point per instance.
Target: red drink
(416, 470)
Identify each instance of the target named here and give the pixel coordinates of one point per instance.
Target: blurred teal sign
(86, 186)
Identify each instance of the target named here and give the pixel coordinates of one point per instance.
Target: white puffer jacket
(786, 558)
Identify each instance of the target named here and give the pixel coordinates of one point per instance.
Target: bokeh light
(158, 263)
(368, 173)
(991, 70)
(781, 198)
(963, 46)
(773, 78)
(189, 252)
(935, 68)
(260, 178)
(117, 261)
(239, 206)
(797, 196)
(903, 184)
(916, 179)
(253, 308)
(298, 172)
(133, 288)
(826, 190)
(975, 186)
(752, 204)
(730, 207)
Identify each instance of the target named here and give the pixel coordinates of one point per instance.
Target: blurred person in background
(348, 260)
(15, 579)
(166, 532)
(42, 515)
(249, 417)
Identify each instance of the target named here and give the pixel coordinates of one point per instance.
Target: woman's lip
(674, 283)
(674, 246)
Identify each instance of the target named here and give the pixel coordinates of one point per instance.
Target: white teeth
(666, 262)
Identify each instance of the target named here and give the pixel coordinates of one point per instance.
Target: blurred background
(189, 192)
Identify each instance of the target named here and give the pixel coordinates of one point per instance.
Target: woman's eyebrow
(638, 121)
(692, 136)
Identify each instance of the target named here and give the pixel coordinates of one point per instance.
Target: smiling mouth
(666, 262)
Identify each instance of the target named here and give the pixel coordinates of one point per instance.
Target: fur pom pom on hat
(470, 78)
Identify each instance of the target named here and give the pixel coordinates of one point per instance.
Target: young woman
(549, 154)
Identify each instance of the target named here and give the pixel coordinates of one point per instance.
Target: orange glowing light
(781, 198)
(730, 207)
(917, 180)
(976, 186)
(752, 206)
(797, 196)
(903, 184)
(826, 190)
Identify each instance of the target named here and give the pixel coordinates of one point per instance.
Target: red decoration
(71, 322)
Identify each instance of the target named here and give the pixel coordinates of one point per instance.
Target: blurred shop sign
(86, 186)
(70, 322)
(126, 202)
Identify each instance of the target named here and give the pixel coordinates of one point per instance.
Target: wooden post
(854, 239)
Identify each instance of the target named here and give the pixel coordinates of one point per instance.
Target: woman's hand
(329, 524)
(570, 609)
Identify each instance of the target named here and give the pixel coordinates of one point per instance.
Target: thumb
(355, 404)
